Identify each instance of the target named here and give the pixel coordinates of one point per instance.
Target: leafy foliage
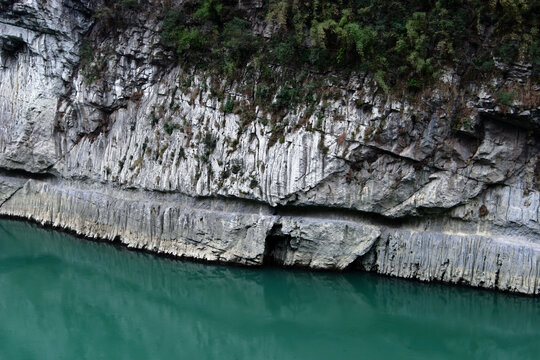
(393, 39)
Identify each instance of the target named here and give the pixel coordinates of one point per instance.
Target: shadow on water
(64, 298)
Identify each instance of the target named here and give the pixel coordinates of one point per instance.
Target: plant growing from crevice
(505, 97)
(170, 127)
(228, 107)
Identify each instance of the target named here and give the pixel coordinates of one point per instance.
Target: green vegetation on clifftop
(396, 41)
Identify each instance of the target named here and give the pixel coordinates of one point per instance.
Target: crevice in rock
(536, 176)
(11, 45)
(24, 174)
(366, 262)
(276, 246)
(336, 213)
(377, 151)
(530, 121)
(117, 240)
(497, 272)
(11, 195)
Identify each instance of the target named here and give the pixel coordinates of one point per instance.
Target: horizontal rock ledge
(248, 233)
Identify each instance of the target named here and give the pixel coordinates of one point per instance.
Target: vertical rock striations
(115, 141)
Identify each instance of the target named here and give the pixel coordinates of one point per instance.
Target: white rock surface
(380, 183)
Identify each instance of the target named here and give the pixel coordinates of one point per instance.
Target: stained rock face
(142, 152)
(39, 46)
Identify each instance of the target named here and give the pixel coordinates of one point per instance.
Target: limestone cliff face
(143, 153)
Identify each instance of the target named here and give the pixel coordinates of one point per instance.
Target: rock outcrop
(134, 148)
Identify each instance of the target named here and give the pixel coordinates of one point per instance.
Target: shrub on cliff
(238, 40)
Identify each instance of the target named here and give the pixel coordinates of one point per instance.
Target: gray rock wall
(143, 153)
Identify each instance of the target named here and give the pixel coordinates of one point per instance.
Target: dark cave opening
(276, 246)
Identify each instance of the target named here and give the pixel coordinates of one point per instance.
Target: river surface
(66, 298)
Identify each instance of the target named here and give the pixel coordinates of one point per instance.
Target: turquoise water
(67, 298)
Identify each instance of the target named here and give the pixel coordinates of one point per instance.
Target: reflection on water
(65, 298)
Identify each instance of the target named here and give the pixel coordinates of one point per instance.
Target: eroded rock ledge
(249, 233)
